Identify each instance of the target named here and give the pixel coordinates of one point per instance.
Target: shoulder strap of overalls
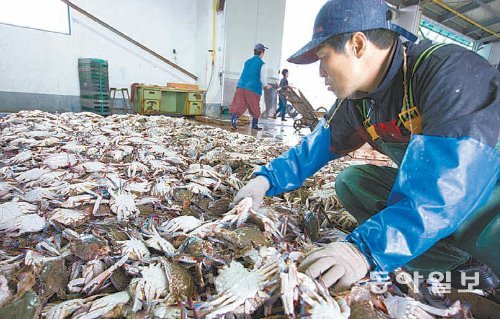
(331, 113)
(408, 100)
(422, 57)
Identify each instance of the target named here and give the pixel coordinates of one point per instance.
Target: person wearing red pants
(249, 89)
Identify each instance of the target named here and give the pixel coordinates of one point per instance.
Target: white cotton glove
(340, 264)
(256, 188)
(406, 307)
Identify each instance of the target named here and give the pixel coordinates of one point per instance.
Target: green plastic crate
(94, 84)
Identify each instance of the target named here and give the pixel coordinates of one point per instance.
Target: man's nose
(322, 71)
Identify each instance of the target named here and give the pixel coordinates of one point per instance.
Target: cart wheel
(297, 124)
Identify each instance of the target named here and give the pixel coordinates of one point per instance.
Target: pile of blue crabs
(129, 216)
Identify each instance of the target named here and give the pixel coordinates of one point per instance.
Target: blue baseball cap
(260, 47)
(344, 16)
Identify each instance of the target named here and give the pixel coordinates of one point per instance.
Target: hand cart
(304, 114)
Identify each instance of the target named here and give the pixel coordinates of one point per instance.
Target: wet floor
(281, 131)
(284, 132)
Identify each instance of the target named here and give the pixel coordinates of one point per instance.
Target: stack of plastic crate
(94, 85)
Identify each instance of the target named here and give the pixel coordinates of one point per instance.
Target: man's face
(340, 70)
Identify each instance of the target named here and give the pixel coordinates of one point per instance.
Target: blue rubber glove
(441, 182)
(293, 167)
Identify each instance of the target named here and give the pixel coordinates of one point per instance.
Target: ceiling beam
(485, 23)
(462, 9)
(430, 14)
(451, 25)
(465, 17)
(490, 38)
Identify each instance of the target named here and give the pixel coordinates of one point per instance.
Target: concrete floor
(271, 128)
(284, 132)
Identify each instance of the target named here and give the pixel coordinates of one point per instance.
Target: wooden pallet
(212, 120)
(221, 121)
(203, 119)
(244, 119)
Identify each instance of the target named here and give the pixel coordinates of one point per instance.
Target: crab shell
(38, 194)
(29, 223)
(91, 167)
(239, 290)
(5, 293)
(89, 247)
(25, 307)
(69, 217)
(180, 282)
(60, 160)
(92, 269)
(182, 223)
(53, 278)
(238, 281)
(197, 247)
(244, 238)
(329, 308)
(63, 309)
(134, 187)
(152, 285)
(20, 158)
(159, 243)
(161, 188)
(167, 312)
(123, 205)
(136, 248)
(31, 175)
(106, 307)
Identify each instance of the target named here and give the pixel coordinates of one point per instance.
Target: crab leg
(95, 283)
(8, 261)
(96, 204)
(224, 305)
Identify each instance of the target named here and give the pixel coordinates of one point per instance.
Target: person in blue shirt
(435, 111)
(282, 97)
(249, 89)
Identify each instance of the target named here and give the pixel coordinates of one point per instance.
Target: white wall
(250, 22)
(485, 50)
(210, 36)
(38, 68)
(34, 61)
(491, 52)
(247, 23)
(495, 54)
(299, 24)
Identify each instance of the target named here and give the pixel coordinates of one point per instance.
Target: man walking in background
(249, 89)
(282, 97)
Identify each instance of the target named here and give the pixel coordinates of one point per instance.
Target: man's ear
(358, 44)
